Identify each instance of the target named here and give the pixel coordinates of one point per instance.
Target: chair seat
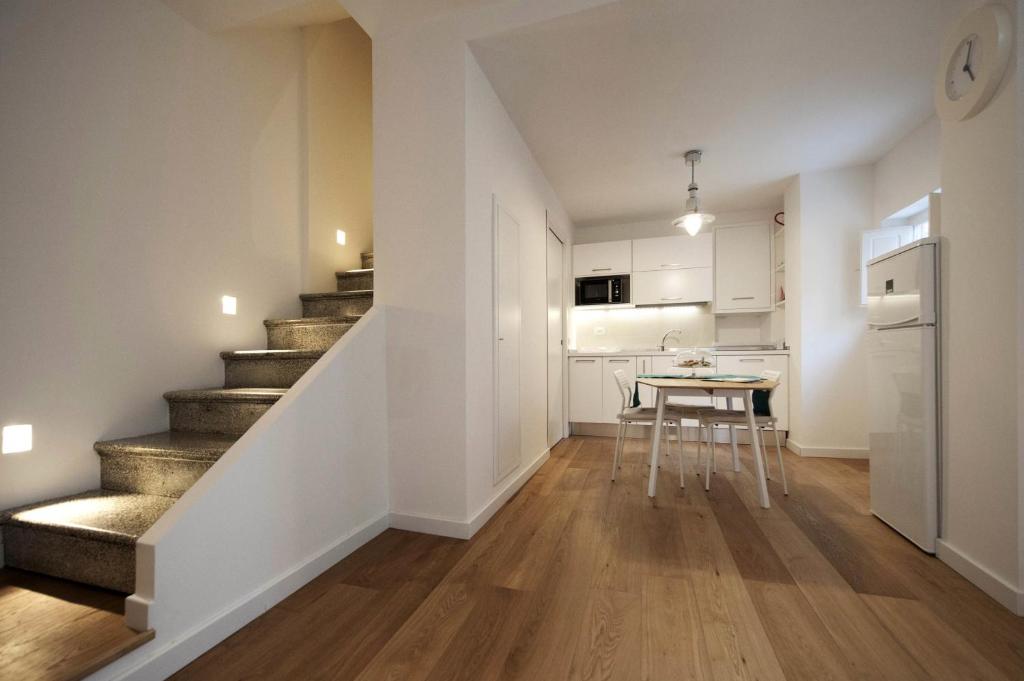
(732, 416)
(672, 413)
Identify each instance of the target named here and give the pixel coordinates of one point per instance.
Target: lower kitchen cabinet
(586, 404)
(612, 396)
(753, 365)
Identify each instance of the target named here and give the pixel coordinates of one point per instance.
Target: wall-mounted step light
(229, 305)
(16, 439)
(340, 236)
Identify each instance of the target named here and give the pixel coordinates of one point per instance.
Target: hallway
(580, 578)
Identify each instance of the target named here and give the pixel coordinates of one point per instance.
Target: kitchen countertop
(645, 352)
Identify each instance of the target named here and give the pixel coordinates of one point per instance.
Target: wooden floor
(54, 630)
(580, 578)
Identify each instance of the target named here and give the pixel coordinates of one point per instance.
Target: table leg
(762, 485)
(732, 440)
(652, 484)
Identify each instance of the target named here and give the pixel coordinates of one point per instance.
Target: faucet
(670, 332)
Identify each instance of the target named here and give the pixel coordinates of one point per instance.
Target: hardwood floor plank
(936, 646)
(673, 642)
(609, 643)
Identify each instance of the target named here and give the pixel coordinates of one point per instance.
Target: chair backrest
(624, 388)
(771, 375)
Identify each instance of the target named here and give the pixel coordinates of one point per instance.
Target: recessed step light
(229, 305)
(16, 439)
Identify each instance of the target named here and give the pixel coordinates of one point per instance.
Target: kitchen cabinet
(743, 269)
(585, 379)
(645, 365)
(673, 252)
(673, 287)
(608, 257)
(753, 365)
(612, 396)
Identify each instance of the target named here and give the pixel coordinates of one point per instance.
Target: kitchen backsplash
(643, 327)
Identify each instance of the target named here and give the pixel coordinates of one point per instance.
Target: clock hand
(967, 60)
(969, 71)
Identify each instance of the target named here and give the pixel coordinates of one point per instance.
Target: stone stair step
(219, 410)
(336, 303)
(367, 259)
(87, 537)
(355, 280)
(165, 464)
(267, 368)
(311, 333)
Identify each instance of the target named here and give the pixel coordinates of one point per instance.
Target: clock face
(965, 66)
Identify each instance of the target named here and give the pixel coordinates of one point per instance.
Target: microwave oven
(604, 290)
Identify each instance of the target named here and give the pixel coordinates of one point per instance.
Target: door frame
(562, 420)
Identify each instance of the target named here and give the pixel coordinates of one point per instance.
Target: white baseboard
(995, 586)
(829, 452)
(465, 529)
(146, 664)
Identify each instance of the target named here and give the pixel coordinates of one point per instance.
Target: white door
(508, 320)
(556, 291)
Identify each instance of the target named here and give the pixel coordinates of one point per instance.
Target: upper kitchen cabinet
(743, 268)
(673, 252)
(673, 287)
(608, 257)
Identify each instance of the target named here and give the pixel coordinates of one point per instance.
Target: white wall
(981, 271)
(299, 491)
(825, 322)
(499, 164)
(339, 149)
(908, 171)
(423, 247)
(148, 168)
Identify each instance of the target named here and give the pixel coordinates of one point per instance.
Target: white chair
(674, 415)
(710, 418)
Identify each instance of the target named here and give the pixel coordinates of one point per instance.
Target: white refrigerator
(903, 390)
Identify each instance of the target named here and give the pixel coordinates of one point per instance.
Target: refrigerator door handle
(890, 325)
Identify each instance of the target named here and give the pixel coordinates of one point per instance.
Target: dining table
(709, 386)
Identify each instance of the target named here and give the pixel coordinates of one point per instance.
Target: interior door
(556, 344)
(508, 327)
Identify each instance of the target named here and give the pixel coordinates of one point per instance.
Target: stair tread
(115, 517)
(314, 321)
(329, 295)
(355, 273)
(272, 354)
(171, 445)
(263, 395)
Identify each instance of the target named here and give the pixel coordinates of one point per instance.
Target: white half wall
(300, 490)
(499, 164)
(148, 168)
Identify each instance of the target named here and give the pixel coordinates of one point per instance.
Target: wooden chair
(674, 415)
(710, 418)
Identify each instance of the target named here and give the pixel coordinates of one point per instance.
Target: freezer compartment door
(903, 432)
(902, 288)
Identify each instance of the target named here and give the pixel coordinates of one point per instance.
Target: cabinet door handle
(744, 298)
(601, 269)
(670, 264)
(752, 359)
(589, 361)
(618, 361)
(676, 298)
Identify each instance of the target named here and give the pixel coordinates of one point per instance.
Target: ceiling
(609, 99)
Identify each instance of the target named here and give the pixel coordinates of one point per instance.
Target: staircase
(90, 537)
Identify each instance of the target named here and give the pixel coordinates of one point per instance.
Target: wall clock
(974, 60)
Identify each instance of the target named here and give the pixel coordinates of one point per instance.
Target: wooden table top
(702, 384)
